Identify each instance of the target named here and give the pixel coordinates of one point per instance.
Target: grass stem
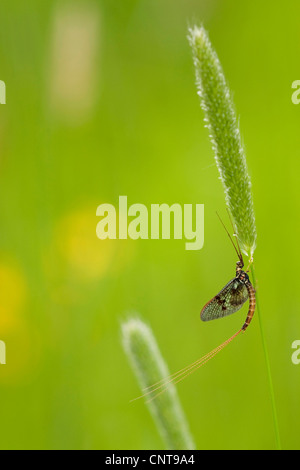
(269, 374)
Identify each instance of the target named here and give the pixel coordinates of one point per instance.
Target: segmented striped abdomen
(252, 302)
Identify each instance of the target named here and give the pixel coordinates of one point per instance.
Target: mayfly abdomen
(252, 303)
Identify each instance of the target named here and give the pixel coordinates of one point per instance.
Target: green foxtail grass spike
(149, 367)
(225, 137)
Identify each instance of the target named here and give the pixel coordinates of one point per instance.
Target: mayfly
(229, 300)
(232, 297)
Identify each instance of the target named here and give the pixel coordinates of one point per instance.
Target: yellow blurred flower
(21, 341)
(88, 257)
(12, 296)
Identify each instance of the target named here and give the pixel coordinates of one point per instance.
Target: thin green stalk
(147, 362)
(266, 354)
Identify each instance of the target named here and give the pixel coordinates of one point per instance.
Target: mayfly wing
(229, 300)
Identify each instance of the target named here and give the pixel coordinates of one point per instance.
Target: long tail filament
(159, 387)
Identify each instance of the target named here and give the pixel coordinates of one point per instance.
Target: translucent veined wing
(229, 300)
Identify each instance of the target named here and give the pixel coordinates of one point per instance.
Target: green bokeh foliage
(67, 383)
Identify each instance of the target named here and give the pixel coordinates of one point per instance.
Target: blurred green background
(101, 102)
